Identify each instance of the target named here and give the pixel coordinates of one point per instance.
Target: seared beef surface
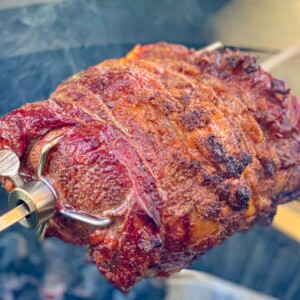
(180, 148)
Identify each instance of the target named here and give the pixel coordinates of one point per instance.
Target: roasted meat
(180, 148)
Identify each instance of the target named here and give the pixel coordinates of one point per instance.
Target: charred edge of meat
(266, 215)
(242, 196)
(235, 164)
(236, 197)
(268, 165)
(286, 197)
(224, 65)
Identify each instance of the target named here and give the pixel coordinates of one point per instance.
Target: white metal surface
(195, 285)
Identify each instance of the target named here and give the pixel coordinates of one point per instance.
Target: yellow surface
(287, 220)
(269, 24)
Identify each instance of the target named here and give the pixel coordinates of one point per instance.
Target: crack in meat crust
(181, 149)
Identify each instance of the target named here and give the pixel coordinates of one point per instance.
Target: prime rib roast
(180, 148)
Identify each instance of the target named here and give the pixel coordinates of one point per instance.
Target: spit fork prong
(32, 203)
(281, 57)
(212, 47)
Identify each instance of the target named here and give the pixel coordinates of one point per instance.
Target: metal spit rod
(13, 216)
(278, 59)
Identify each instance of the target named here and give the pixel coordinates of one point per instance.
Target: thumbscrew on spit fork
(9, 167)
(31, 203)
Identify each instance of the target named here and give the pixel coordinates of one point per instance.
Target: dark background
(44, 43)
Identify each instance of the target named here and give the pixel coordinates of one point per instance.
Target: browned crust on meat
(188, 149)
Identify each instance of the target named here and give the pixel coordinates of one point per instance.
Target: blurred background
(44, 42)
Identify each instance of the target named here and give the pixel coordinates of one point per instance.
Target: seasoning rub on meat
(180, 148)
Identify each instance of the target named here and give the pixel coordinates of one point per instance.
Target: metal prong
(9, 166)
(277, 59)
(13, 216)
(41, 231)
(212, 47)
(45, 150)
(71, 215)
(87, 219)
